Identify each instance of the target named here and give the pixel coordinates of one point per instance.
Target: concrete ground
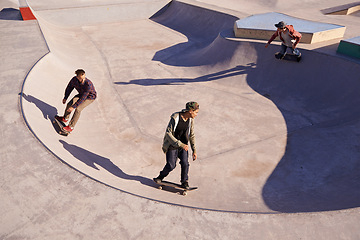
(277, 141)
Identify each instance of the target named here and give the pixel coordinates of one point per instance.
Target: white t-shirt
(287, 39)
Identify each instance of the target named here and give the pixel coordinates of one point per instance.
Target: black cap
(281, 24)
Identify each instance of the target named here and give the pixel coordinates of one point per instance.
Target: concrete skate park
(277, 141)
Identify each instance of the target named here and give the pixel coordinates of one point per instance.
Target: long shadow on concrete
(235, 71)
(90, 159)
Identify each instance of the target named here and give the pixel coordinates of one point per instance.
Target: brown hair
(192, 106)
(79, 72)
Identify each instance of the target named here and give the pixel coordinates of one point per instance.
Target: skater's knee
(172, 166)
(77, 110)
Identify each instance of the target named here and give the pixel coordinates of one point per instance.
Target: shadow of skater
(90, 159)
(235, 71)
(47, 110)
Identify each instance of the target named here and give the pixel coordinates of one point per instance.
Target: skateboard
(59, 126)
(176, 186)
(289, 57)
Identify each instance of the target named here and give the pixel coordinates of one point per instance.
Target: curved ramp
(266, 142)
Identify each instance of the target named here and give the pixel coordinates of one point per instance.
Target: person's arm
(192, 140)
(272, 38)
(295, 35)
(298, 37)
(69, 89)
(83, 96)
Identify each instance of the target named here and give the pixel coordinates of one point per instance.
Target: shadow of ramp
(90, 159)
(319, 101)
(10, 14)
(319, 172)
(231, 72)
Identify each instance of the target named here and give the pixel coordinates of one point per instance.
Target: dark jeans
(284, 48)
(171, 158)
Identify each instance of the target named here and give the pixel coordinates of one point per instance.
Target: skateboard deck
(59, 127)
(175, 186)
(289, 57)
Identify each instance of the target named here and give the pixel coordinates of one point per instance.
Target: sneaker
(68, 129)
(157, 180)
(61, 119)
(185, 185)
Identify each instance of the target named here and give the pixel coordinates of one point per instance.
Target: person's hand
(64, 101)
(194, 156)
(186, 148)
(70, 109)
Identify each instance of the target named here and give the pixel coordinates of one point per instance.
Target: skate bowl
(272, 136)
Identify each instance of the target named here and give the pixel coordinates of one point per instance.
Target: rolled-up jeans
(284, 48)
(77, 110)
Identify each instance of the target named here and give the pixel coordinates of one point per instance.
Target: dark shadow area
(320, 167)
(10, 14)
(91, 159)
(47, 110)
(238, 70)
(317, 97)
(201, 26)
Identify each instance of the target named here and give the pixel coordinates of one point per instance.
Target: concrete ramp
(345, 9)
(261, 26)
(272, 136)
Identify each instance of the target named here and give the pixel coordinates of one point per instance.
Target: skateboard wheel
(160, 187)
(184, 193)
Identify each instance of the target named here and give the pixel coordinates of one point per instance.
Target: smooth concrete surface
(261, 26)
(355, 40)
(278, 156)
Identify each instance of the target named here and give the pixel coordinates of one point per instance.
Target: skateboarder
(179, 132)
(289, 37)
(86, 96)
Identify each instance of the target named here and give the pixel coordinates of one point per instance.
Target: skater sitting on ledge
(289, 37)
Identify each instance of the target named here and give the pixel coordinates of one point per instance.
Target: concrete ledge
(262, 27)
(345, 9)
(350, 47)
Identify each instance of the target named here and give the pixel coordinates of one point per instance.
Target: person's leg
(69, 104)
(283, 49)
(171, 157)
(184, 162)
(296, 52)
(77, 112)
